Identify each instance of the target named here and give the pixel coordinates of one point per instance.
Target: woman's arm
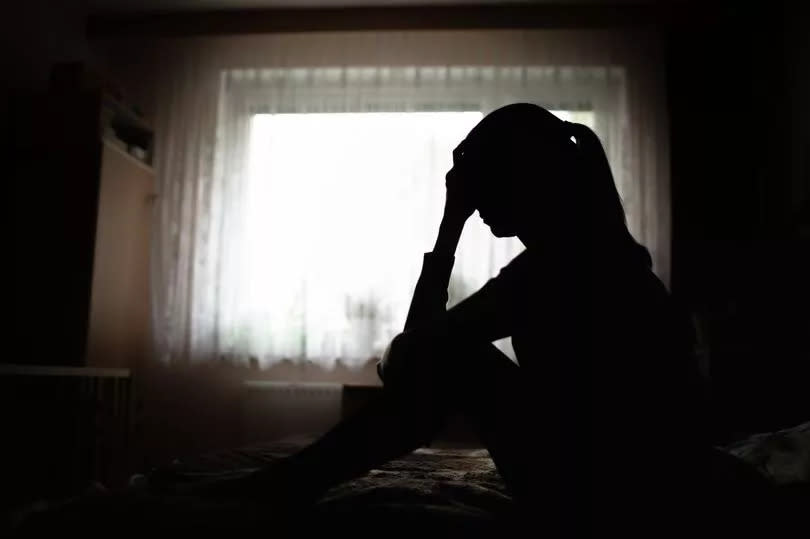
(483, 317)
(430, 296)
(486, 315)
(492, 312)
(478, 316)
(449, 233)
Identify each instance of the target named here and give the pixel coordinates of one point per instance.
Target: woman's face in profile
(489, 187)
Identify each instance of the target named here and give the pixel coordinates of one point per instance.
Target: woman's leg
(490, 390)
(381, 431)
(477, 380)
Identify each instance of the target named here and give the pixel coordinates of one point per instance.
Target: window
(338, 209)
(206, 264)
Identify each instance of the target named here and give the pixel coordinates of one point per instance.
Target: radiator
(276, 410)
(65, 427)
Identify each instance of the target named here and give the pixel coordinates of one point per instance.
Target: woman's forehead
(471, 152)
(466, 150)
(458, 152)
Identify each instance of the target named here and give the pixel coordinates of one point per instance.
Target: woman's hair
(566, 158)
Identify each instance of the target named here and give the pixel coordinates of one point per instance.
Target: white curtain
(225, 286)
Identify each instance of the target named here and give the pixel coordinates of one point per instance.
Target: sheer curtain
(238, 274)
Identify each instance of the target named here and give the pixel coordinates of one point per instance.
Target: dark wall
(51, 192)
(797, 42)
(37, 33)
(739, 170)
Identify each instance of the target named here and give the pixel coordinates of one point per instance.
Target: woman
(601, 410)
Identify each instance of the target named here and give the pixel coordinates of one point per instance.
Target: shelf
(108, 143)
(127, 113)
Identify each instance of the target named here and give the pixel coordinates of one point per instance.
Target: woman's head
(500, 162)
(529, 171)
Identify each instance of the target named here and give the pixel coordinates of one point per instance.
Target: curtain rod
(288, 20)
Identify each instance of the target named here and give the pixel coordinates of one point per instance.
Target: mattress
(461, 480)
(430, 490)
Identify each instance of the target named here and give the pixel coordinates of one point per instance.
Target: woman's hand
(457, 209)
(458, 205)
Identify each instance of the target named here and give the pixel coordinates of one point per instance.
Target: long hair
(574, 163)
(606, 204)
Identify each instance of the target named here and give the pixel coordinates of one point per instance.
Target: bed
(454, 491)
(459, 486)
(447, 490)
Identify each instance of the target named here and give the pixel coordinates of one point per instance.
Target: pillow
(782, 456)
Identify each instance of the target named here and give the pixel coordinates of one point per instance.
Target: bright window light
(340, 209)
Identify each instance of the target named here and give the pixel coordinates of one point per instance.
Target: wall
(37, 33)
(739, 117)
(797, 44)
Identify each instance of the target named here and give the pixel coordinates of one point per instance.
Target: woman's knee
(425, 355)
(423, 362)
(412, 360)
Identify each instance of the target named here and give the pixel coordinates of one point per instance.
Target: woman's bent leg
(438, 377)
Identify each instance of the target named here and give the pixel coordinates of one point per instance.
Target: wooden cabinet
(119, 326)
(80, 232)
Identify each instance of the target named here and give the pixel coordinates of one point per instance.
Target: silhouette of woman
(606, 389)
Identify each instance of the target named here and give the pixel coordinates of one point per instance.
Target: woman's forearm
(449, 234)
(430, 295)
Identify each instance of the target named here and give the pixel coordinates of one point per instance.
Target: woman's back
(612, 379)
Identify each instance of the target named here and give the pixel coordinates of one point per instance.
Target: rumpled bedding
(436, 490)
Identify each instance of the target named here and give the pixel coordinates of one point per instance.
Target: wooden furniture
(118, 333)
(80, 231)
